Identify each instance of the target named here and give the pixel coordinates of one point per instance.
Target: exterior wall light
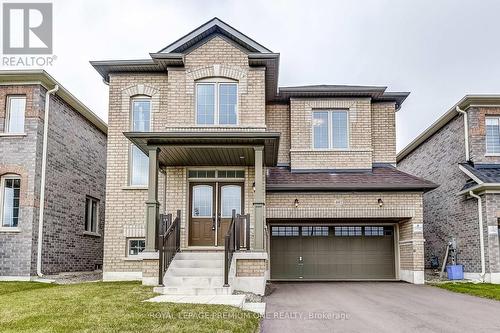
(380, 203)
(296, 202)
(253, 187)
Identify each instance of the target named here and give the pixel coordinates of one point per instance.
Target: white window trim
(138, 98)
(90, 232)
(486, 135)
(2, 184)
(6, 129)
(216, 82)
(330, 130)
(128, 247)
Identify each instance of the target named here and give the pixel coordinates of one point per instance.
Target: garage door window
(314, 231)
(285, 231)
(348, 231)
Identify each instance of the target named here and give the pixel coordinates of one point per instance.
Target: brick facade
(371, 140)
(75, 168)
(446, 214)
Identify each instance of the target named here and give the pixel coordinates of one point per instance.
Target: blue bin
(455, 272)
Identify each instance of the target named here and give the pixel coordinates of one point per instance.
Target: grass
(109, 307)
(486, 290)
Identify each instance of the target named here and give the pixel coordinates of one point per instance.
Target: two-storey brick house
(461, 153)
(52, 151)
(202, 127)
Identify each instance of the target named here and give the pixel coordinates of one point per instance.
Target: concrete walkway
(376, 307)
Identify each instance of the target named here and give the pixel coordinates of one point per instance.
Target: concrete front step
(194, 271)
(194, 281)
(196, 263)
(193, 291)
(199, 256)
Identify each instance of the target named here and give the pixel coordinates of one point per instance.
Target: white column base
(415, 277)
(15, 278)
(488, 277)
(122, 276)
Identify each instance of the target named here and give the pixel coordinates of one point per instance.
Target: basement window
(136, 246)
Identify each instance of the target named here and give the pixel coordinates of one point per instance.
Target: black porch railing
(237, 237)
(168, 241)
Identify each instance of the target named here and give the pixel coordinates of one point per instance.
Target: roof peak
(204, 31)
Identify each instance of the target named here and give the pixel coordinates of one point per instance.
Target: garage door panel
(342, 254)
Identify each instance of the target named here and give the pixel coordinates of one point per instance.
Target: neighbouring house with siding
(201, 129)
(69, 180)
(461, 153)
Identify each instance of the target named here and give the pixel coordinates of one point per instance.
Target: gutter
(481, 235)
(42, 184)
(466, 132)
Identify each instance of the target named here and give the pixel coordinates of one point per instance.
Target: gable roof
(258, 56)
(465, 103)
(39, 76)
(205, 30)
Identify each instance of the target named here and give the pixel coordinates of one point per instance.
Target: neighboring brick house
(202, 127)
(465, 162)
(74, 191)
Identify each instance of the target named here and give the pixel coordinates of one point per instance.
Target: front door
(211, 206)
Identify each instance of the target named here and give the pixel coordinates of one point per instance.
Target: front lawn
(486, 290)
(109, 307)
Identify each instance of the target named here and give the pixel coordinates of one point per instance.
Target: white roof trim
(481, 187)
(210, 24)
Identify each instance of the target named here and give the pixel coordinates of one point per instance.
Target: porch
(205, 176)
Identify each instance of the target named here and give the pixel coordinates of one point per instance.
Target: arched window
(216, 102)
(10, 192)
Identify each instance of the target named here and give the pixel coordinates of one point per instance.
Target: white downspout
(466, 132)
(481, 235)
(42, 183)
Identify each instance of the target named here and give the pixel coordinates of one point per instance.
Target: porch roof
(192, 148)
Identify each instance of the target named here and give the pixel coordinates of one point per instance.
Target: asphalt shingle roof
(379, 178)
(487, 173)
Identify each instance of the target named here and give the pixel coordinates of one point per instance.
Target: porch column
(153, 206)
(259, 201)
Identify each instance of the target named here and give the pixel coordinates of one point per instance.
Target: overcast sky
(437, 50)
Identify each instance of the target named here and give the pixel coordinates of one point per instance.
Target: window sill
(4, 134)
(133, 258)
(134, 188)
(93, 234)
(491, 155)
(10, 229)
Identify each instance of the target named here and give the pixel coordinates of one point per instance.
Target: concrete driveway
(376, 307)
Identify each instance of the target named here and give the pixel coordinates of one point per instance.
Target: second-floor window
(141, 114)
(14, 120)
(493, 135)
(216, 103)
(141, 122)
(330, 129)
